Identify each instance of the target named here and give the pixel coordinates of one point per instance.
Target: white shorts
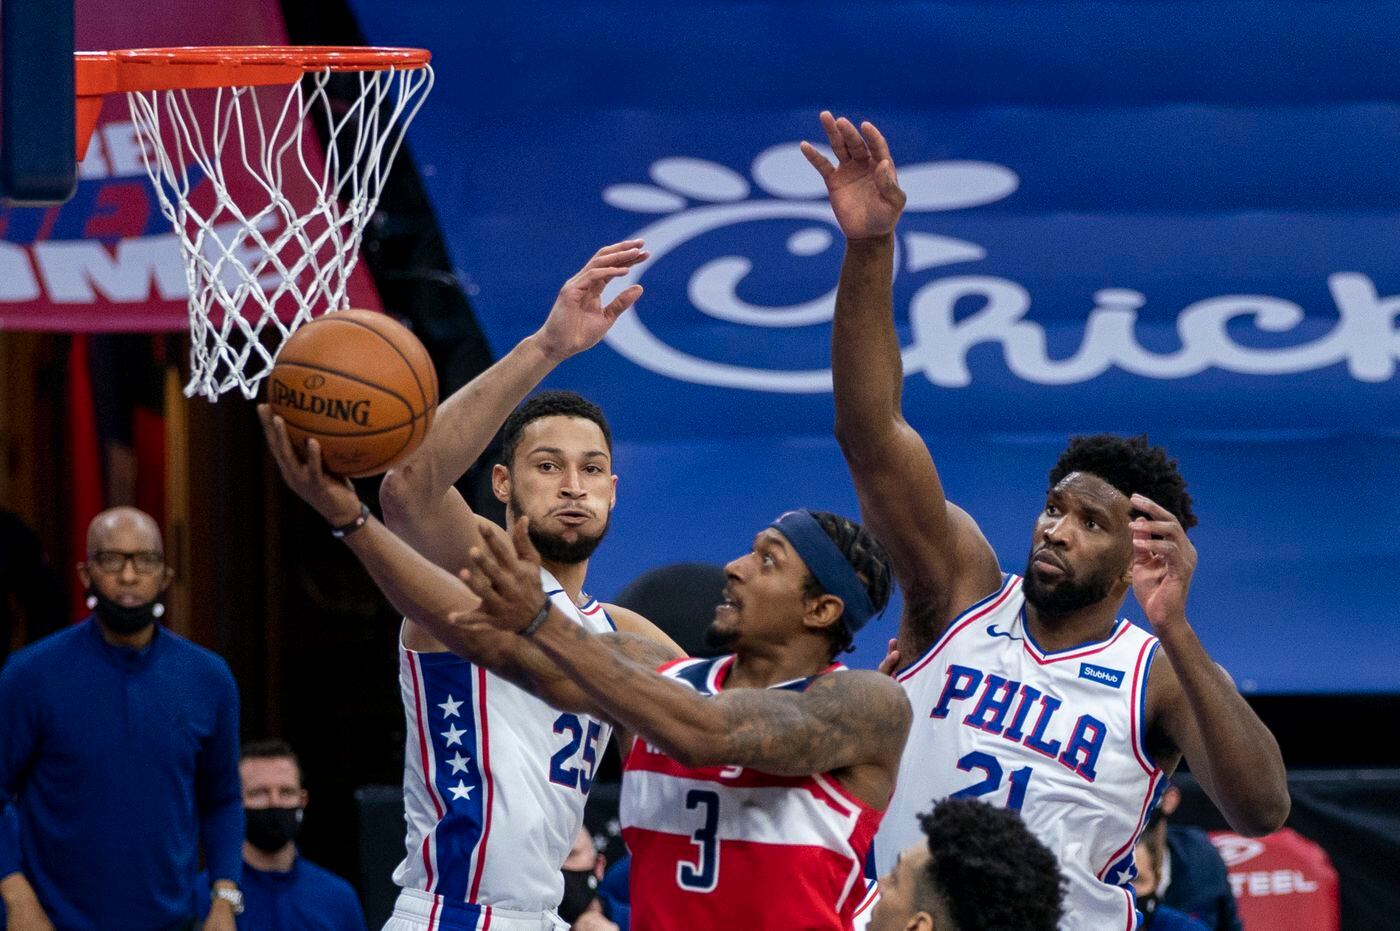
(423, 911)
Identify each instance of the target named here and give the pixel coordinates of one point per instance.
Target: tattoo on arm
(638, 648)
(843, 719)
(533, 670)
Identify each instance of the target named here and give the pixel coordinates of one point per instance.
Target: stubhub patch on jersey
(1110, 677)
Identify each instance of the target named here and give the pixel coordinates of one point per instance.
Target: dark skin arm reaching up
(941, 560)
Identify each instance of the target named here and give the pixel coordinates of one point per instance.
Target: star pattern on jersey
(457, 775)
(1124, 876)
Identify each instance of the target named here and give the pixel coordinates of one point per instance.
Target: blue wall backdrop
(1175, 218)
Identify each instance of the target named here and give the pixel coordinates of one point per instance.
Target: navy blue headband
(827, 564)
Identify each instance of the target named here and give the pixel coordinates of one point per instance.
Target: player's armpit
(843, 719)
(941, 572)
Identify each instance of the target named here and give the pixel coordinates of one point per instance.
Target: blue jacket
(1166, 918)
(1199, 884)
(118, 762)
(615, 892)
(306, 898)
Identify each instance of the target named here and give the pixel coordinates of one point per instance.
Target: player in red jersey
(756, 780)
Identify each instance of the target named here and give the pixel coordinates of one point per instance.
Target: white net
(268, 219)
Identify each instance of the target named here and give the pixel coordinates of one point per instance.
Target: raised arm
(940, 558)
(1193, 707)
(843, 720)
(431, 597)
(419, 501)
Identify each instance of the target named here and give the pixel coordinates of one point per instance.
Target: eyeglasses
(113, 561)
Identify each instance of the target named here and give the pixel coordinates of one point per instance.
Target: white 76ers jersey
(1058, 736)
(495, 782)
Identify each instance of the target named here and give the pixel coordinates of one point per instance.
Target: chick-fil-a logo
(695, 197)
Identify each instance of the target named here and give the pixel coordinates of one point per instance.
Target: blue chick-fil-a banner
(1178, 219)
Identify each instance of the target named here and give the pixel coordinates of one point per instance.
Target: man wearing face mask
(283, 890)
(583, 869)
(118, 758)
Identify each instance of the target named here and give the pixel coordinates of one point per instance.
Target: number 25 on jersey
(574, 764)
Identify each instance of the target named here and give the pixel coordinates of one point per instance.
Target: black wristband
(529, 629)
(344, 530)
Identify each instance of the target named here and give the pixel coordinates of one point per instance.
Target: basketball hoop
(269, 225)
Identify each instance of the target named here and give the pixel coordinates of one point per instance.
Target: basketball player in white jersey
(495, 779)
(786, 772)
(1032, 692)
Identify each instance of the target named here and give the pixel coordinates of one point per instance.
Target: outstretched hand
(505, 575)
(578, 319)
(1163, 563)
(864, 191)
(331, 495)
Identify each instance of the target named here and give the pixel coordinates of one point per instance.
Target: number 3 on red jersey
(703, 874)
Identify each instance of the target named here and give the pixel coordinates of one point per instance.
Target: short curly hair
(989, 869)
(866, 556)
(549, 404)
(1131, 465)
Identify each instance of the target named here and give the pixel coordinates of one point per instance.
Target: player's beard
(720, 641)
(1069, 594)
(553, 547)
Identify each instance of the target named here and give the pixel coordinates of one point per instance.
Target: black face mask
(122, 619)
(1147, 904)
(580, 889)
(271, 829)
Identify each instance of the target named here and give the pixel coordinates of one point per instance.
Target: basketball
(361, 384)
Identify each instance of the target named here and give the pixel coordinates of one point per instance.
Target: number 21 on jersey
(992, 777)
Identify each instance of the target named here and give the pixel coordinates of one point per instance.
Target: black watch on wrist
(344, 530)
(540, 617)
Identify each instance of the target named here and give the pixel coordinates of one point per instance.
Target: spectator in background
(1192, 876)
(1155, 915)
(615, 893)
(31, 595)
(119, 754)
(583, 869)
(282, 890)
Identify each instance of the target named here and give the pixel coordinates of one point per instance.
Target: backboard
(37, 151)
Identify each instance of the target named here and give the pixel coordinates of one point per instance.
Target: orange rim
(306, 57)
(158, 69)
